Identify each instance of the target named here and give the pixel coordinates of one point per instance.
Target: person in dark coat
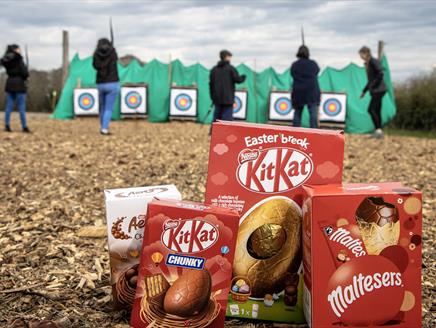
(105, 62)
(376, 87)
(223, 78)
(305, 88)
(16, 88)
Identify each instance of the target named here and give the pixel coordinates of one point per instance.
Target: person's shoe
(26, 130)
(8, 128)
(105, 132)
(378, 134)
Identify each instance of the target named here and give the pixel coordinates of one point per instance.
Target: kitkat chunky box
(259, 170)
(186, 265)
(362, 255)
(126, 211)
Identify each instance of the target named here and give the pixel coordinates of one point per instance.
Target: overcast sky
(195, 31)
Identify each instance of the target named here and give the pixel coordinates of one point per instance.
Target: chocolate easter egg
(269, 245)
(189, 294)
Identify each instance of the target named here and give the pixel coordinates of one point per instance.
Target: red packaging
(258, 170)
(378, 229)
(186, 265)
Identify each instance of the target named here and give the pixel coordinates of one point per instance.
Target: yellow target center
(332, 107)
(86, 101)
(133, 100)
(183, 102)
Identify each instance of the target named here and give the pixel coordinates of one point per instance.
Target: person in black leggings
(376, 87)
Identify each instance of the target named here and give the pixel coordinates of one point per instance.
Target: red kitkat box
(259, 170)
(362, 255)
(186, 265)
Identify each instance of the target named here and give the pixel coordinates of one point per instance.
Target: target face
(283, 106)
(280, 106)
(332, 107)
(237, 105)
(86, 102)
(134, 100)
(183, 102)
(240, 105)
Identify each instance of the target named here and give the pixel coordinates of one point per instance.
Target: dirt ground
(53, 252)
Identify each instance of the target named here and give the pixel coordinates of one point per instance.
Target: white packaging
(126, 211)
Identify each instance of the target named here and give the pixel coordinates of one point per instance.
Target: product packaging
(362, 255)
(259, 170)
(186, 265)
(126, 211)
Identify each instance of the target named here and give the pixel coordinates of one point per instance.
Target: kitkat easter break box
(259, 170)
(362, 255)
(186, 265)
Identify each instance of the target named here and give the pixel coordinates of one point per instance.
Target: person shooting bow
(223, 78)
(376, 87)
(16, 87)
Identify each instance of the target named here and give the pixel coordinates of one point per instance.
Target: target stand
(86, 102)
(240, 105)
(280, 107)
(183, 103)
(333, 109)
(134, 101)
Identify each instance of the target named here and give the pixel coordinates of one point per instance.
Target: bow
(302, 35)
(26, 54)
(111, 29)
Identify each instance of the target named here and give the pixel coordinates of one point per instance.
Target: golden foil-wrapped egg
(266, 241)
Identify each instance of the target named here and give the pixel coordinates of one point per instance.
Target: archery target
(280, 106)
(134, 100)
(240, 105)
(183, 102)
(86, 102)
(333, 107)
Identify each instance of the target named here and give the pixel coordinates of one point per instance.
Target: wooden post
(255, 91)
(65, 56)
(170, 68)
(381, 46)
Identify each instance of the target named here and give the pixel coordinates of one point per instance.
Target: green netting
(350, 80)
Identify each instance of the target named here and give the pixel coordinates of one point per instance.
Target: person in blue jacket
(305, 87)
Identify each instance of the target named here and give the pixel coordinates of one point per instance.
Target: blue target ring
(86, 101)
(332, 107)
(237, 105)
(183, 102)
(283, 106)
(133, 99)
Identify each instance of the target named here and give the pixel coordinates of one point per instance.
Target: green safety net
(156, 74)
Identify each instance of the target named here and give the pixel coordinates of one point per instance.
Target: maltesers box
(362, 255)
(186, 265)
(126, 210)
(259, 170)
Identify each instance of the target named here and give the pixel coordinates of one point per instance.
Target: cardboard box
(126, 210)
(186, 265)
(258, 170)
(362, 255)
